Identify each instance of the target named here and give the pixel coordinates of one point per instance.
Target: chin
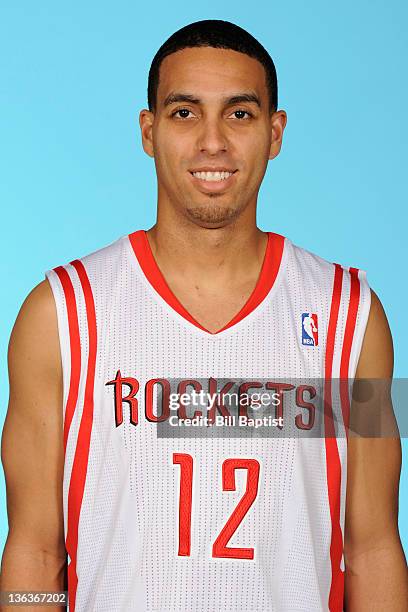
(212, 215)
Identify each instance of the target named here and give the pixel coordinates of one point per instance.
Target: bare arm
(376, 571)
(34, 556)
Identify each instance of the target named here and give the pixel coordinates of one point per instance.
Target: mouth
(213, 180)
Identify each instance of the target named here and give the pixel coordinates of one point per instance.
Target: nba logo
(309, 329)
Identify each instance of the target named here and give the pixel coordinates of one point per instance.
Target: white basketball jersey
(169, 516)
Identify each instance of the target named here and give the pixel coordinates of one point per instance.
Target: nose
(212, 138)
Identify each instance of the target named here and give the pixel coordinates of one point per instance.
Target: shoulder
(301, 254)
(36, 315)
(99, 266)
(322, 273)
(307, 260)
(98, 256)
(35, 332)
(33, 350)
(377, 353)
(108, 252)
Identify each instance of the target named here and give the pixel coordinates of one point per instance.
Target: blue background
(74, 175)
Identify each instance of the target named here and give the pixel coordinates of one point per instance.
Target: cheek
(255, 152)
(171, 160)
(252, 141)
(171, 151)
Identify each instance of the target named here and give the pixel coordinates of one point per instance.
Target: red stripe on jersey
(266, 279)
(80, 464)
(333, 464)
(75, 348)
(347, 343)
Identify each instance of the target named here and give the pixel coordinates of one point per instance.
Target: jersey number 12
(219, 548)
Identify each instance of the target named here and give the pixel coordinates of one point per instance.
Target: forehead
(210, 72)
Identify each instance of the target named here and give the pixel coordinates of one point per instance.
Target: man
(206, 302)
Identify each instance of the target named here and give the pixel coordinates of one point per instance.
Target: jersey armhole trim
(364, 307)
(73, 350)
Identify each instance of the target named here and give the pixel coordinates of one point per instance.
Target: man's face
(212, 116)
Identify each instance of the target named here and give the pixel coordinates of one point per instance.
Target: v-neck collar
(267, 276)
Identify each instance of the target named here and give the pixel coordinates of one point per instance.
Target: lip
(213, 186)
(213, 169)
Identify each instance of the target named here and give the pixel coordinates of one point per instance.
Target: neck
(215, 258)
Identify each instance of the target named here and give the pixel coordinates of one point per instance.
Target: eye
(183, 113)
(241, 112)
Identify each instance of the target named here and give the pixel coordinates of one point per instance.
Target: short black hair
(220, 35)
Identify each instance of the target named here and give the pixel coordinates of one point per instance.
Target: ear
(278, 124)
(146, 119)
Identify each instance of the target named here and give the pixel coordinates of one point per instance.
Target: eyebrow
(235, 99)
